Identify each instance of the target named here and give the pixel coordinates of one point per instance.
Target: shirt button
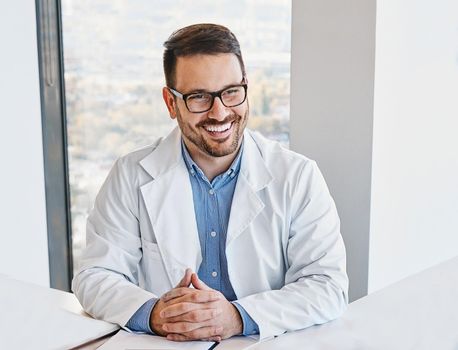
(214, 273)
(213, 234)
(211, 191)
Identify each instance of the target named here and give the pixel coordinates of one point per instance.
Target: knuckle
(176, 337)
(194, 334)
(193, 316)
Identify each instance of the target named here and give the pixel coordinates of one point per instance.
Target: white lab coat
(285, 253)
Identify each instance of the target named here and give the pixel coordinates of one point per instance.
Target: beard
(214, 148)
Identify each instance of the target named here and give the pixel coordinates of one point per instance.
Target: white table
(34, 317)
(419, 312)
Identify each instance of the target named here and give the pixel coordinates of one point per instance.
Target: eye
(198, 97)
(232, 91)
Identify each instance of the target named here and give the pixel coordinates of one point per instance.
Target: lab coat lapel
(169, 203)
(253, 177)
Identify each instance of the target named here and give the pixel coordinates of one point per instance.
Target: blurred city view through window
(113, 79)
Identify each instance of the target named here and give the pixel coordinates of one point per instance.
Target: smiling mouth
(218, 129)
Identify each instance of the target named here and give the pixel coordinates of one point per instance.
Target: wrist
(155, 320)
(237, 321)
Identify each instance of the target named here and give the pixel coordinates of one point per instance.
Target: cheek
(193, 122)
(243, 113)
(187, 120)
(240, 110)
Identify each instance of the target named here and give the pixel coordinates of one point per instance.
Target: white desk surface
(34, 317)
(419, 312)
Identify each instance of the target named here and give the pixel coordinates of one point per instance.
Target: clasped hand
(199, 313)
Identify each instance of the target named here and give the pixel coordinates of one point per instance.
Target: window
(113, 79)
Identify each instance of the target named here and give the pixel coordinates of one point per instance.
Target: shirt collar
(194, 168)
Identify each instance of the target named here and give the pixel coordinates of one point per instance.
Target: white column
(23, 233)
(332, 79)
(398, 195)
(414, 221)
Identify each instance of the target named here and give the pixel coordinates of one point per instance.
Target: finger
(182, 308)
(196, 315)
(217, 339)
(183, 327)
(178, 337)
(197, 334)
(198, 284)
(176, 293)
(181, 337)
(200, 298)
(191, 295)
(186, 280)
(178, 309)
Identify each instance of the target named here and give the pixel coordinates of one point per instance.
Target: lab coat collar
(253, 166)
(167, 155)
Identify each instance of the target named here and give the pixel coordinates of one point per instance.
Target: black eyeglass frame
(214, 94)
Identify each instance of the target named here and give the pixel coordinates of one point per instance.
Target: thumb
(186, 280)
(198, 284)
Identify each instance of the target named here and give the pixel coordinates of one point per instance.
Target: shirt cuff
(250, 327)
(139, 322)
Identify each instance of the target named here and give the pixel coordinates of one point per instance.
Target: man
(212, 231)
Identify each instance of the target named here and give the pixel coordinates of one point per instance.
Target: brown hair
(204, 38)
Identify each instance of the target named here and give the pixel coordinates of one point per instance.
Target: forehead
(207, 72)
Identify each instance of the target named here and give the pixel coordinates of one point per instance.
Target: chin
(222, 149)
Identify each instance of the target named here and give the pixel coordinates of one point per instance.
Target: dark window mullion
(50, 55)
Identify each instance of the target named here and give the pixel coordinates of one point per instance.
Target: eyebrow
(196, 91)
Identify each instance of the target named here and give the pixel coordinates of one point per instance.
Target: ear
(170, 102)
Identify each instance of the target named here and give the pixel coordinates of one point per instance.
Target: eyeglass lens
(202, 101)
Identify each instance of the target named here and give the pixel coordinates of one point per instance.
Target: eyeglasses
(199, 102)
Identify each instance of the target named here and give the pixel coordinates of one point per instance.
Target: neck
(211, 166)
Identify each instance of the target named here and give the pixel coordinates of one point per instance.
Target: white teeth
(219, 128)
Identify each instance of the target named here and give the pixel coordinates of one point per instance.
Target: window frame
(53, 115)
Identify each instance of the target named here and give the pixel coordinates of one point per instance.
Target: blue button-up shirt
(212, 205)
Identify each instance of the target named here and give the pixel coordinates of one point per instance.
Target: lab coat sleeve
(106, 283)
(316, 283)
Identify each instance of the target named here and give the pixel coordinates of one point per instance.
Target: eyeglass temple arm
(176, 93)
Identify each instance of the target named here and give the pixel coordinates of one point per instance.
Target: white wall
(398, 84)
(414, 222)
(23, 234)
(332, 79)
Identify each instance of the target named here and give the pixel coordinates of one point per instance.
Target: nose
(218, 110)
